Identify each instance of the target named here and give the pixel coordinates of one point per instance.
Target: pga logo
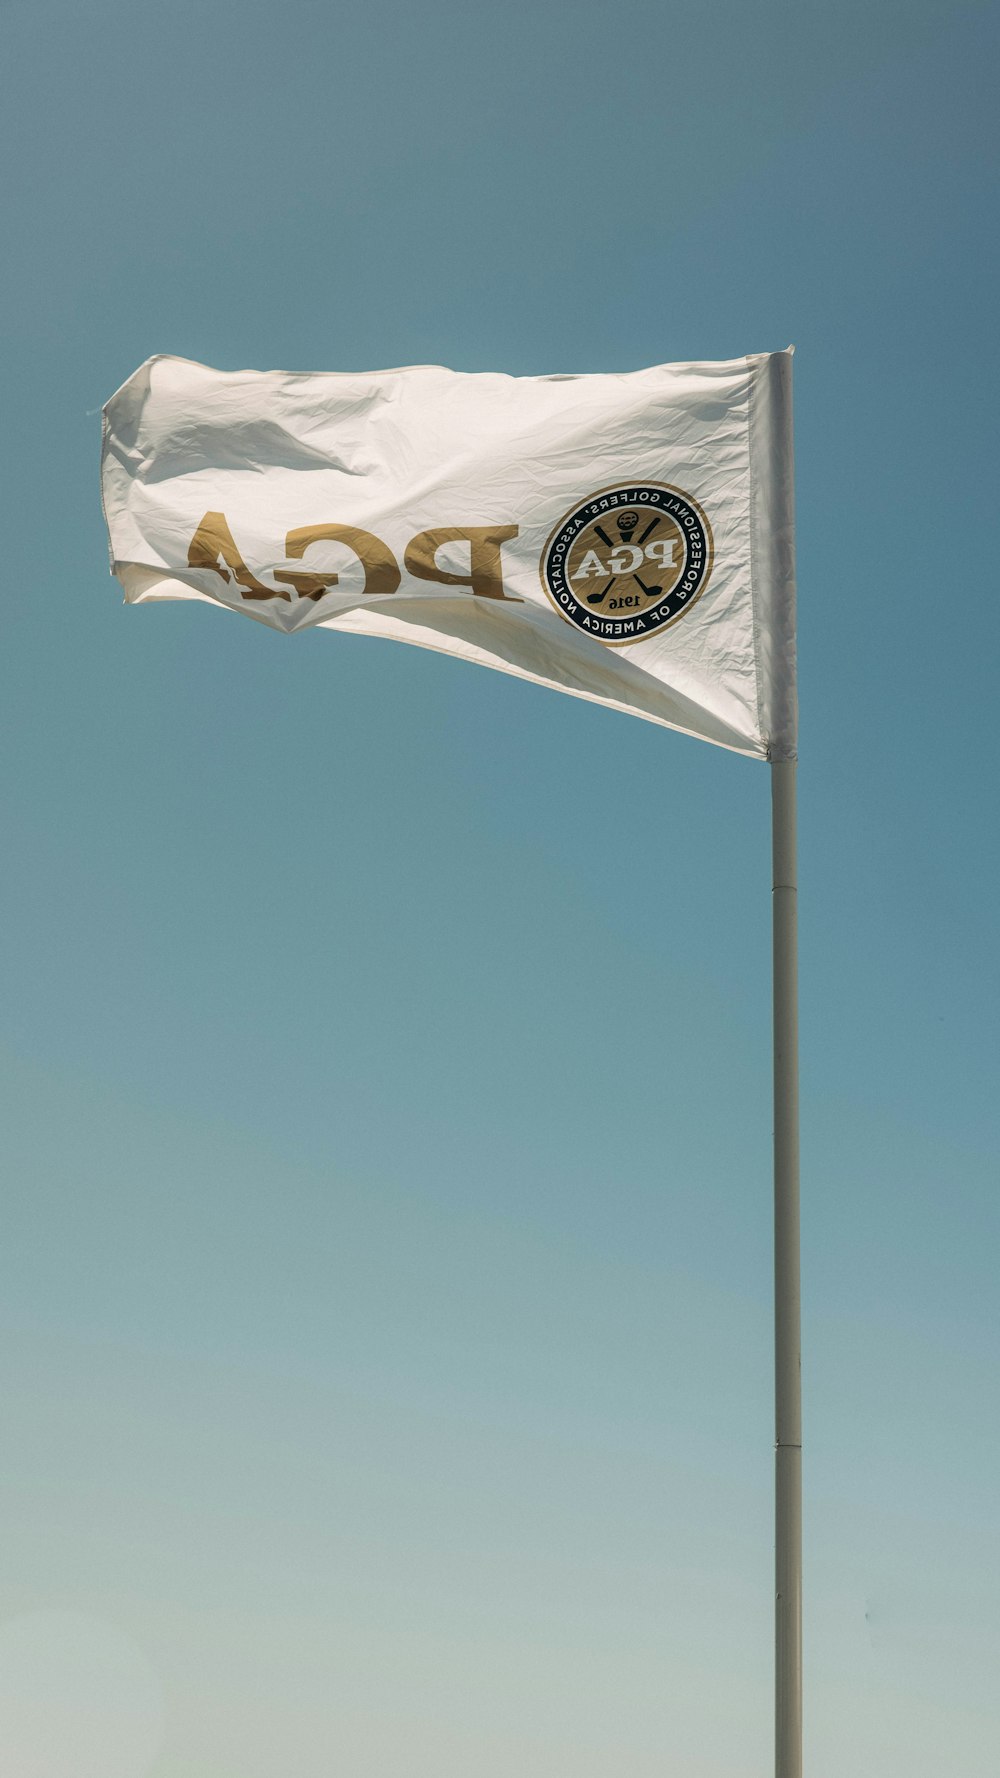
(629, 561)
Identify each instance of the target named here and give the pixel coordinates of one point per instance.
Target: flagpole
(787, 1313)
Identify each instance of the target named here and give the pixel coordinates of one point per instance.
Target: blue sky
(385, 1290)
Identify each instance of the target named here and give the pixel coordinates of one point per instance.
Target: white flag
(628, 539)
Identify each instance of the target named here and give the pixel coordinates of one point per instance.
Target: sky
(385, 1331)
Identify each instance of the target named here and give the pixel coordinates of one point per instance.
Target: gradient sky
(385, 1251)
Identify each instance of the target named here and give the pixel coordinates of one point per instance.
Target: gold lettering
(213, 539)
(382, 575)
(485, 575)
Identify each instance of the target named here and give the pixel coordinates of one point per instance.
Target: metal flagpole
(787, 1311)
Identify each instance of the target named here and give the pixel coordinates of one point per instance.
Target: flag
(625, 538)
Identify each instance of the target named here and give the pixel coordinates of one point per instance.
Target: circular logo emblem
(628, 561)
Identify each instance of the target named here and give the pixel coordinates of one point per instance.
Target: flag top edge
(680, 365)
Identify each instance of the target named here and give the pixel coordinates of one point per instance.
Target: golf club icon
(626, 523)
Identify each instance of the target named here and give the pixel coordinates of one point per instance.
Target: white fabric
(393, 454)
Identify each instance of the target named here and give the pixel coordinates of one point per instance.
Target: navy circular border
(633, 627)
